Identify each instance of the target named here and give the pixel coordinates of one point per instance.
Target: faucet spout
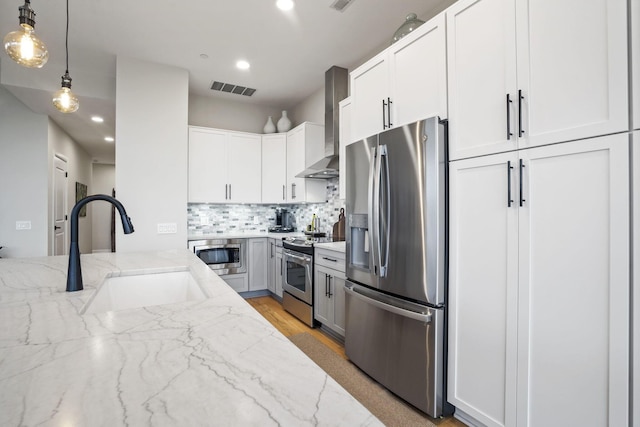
(74, 273)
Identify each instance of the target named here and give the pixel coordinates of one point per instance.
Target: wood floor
(272, 310)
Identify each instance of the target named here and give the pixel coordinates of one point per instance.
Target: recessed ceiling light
(108, 138)
(204, 56)
(97, 119)
(243, 65)
(285, 4)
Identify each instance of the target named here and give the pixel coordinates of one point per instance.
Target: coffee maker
(284, 222)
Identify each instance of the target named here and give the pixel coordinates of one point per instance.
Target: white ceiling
(288, 51)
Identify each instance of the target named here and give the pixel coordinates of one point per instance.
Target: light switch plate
(167, 228)
(23, 225)
(204, 220)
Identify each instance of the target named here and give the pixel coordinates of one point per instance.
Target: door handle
(384, 122)
(293, 191)
(389, 113)
(326, 285)
(509, 200)
(522, 199)
(55, 227)
(520, 98)
(330, 293)
(229, 191)
(284, 189)
(509, 101)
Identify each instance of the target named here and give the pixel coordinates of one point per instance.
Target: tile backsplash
(205, 218)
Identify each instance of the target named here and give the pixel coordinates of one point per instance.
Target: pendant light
(64, 100)
(23, 46)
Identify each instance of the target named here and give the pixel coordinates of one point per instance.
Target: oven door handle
(301, 259)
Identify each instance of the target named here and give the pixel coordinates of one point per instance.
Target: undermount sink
(143, 290)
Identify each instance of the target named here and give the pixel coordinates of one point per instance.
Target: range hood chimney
(336, 88)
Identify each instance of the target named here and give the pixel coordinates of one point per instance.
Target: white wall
(23, 178)
(229, 114)
(79, 170)
(104, 180)
(151, 152)
(311, 109)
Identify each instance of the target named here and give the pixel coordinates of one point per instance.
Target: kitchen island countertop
(210, 362)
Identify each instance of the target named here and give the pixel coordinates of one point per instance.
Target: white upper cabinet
(568, 80)
(224, 166)
(404, 83)
(481, 53)
(303, 143)
(274, 168)
(418, 73)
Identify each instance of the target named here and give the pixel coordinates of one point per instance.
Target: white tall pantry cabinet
(539, 296)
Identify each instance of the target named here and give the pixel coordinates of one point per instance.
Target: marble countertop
(332, 246)
(210, 362)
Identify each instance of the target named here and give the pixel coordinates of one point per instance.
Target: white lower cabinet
(539, 286)
(238, 282)
(275, 267)
(329, 296)
(257, 260)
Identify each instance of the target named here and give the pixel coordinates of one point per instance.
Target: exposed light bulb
(65, 100)
(23, 46)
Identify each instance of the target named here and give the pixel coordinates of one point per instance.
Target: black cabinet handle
(509, 200)
(384, 121)
(522, 200)
(330, 259)
(509, 134)
(389, 113)
(326, 285)
(330, 293)
(520, 98)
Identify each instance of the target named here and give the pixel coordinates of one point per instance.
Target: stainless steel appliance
(297, 280)
(396, 261)
(225, 256)
(284, 222)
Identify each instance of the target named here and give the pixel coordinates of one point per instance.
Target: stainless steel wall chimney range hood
(336, 88)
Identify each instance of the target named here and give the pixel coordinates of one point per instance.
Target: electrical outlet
(204, 220)
(167, 228)
(23, 225)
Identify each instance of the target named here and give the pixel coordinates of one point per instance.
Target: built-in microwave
(225, 256)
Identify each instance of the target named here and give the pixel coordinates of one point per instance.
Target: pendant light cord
(66, 40)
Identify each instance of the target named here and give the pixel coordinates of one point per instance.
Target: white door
(274, 168)
(483, 288)
(481, 55)
(207, 166)
(573, 333)
(572, 69)
(635, 66)
(370, 93)
(338, 302)
(636, 273)
(322, 303)
(418, 73)
(244, 159)
(60, 246)
(295, 164)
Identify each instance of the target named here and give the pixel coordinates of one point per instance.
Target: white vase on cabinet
(284, 124)
(269, 127)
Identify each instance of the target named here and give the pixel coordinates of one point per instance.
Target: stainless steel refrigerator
(396, 261)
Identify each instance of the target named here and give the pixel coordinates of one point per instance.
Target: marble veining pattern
(209, 362)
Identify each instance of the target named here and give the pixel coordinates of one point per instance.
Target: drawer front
(330, 259)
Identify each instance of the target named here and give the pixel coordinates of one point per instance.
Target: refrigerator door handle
(372, 208)
(384, 208)
(425, 318)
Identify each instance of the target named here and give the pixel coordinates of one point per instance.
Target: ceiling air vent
(231, 88)
(341, 5)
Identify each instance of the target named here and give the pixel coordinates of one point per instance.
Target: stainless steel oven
(225, 256)
(297, 279)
